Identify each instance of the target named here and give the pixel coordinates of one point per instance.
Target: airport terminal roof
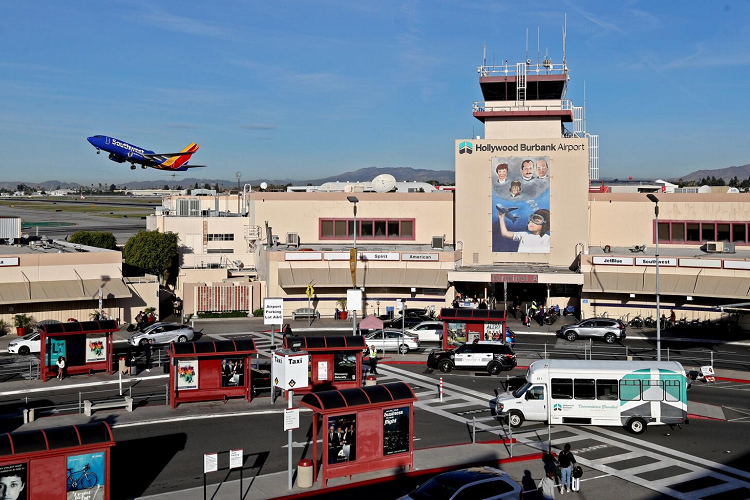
(671, 251)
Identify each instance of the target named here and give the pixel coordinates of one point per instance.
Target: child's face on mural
(515, 191)
(534, 228)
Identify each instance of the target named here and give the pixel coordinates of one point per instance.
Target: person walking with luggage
(147, 353)
(566, 461)
(373, 354)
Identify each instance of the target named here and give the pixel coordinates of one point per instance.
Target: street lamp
(353, 260)
(658, 306)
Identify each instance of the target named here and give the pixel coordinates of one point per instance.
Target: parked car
(407, 322)
(162, 333)
(392, 340)
(305, 312)
(428, 331)
(493, 357)
(474, 483)
(26, 345)
(609, 330)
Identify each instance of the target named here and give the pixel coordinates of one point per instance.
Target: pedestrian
(672, 318)
(147, 352)
(566, 461)
(151, 318)
(373, 354)
(516, 306)
(547, 485)
(482, 304)
(60, 367)
(287, 331)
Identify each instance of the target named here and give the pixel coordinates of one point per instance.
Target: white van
(633, 394)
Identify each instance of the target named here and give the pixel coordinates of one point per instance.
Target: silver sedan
(162, 333)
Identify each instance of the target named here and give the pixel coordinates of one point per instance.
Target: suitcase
(575, 483)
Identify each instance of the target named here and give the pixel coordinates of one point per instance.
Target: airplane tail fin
(178, 161)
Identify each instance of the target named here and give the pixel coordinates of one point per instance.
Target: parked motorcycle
(636, 322)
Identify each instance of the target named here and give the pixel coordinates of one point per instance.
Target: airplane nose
(91, 140)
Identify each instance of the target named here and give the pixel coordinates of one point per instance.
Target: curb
(730, 379)
(414, 473)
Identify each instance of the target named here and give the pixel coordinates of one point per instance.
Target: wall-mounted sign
(303, 256)
(613, 261)
(9, 261)
(736, 264)
(273, 311)
(651, 261)
(335, 255)
(379, 256)
(515, 278)
(432, 257)
(705, 263)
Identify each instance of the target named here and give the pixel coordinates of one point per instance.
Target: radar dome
(704, 189)
(383, 183)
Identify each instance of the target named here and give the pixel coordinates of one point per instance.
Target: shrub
(258, 313)
(98, 239)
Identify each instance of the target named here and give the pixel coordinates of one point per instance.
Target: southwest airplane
(122, 152)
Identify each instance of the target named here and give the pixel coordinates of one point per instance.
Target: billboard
(187, 374)
(96, 349)
(13, 479)
(233, 372)
(521, 204)
(342, 439)
(395, 430)
(85, 477)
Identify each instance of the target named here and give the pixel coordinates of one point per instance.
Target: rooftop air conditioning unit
(275, 240)
(292, 239)
(438, 242)
(715, 247)
(728, 247)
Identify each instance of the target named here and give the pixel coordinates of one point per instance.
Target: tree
(196, 185)
(112, 188)
(216, 187)
(98, 239)
(154, 253)
(207, 186)
(166, 187)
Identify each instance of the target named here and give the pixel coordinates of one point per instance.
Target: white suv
(428, 331)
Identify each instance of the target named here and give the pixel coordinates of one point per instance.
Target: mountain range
(742, 172)
(363, 174)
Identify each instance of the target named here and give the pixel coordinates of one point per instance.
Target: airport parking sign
(273, 311)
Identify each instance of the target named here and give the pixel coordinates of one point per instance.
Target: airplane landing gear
(132, 167)
(98, 151)
(144, 167)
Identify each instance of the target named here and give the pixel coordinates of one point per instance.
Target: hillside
(741, 172)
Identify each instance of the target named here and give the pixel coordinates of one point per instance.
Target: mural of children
(502, 173)
(542, 168)
(527, 170)
(515, 189)
(536, 240)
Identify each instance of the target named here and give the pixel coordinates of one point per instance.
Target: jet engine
(118, 159)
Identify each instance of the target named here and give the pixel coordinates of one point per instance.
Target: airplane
(122, 152)
(507, 212)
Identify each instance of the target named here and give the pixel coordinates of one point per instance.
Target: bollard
(667, 353)
(441, 389)
(474, 429)
(192, 324)
(305, 473)
(31, 415)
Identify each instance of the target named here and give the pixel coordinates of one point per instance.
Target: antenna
(527, 44)
(484, 54)
(584, 106)
(565, 41)
(538, 50)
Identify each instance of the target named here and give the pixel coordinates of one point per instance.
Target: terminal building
(528, 218)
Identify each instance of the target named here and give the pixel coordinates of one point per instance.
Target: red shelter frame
(43, 454)
(72, 338)
(323, 352)
(207, 370)
(475, 321)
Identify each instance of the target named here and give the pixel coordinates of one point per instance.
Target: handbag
(577, 472)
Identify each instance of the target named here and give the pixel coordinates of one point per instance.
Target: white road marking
(203, 417)
(76, 386)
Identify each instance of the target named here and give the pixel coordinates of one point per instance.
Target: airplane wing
(152, 155)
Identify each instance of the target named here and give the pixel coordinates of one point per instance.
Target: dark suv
(609, 330)
(491, 356)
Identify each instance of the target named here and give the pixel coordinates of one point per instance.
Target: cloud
(258, 126)
(606, 26)
(181, 24)
(285, 78)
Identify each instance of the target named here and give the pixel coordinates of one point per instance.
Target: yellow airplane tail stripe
(190, 148)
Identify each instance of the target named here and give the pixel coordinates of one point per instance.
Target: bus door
(535, 404)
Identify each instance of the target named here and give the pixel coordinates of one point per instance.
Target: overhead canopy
(200, 349)
(330, 343)
(62, 291)
(78, 327)
(300, 277)
(669, 284)
(346, 399)
(55, 438)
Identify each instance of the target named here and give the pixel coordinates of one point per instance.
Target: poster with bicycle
(13, 481)
(85, 479)
(96, 349)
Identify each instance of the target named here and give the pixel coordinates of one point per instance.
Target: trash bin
(123, 368)
(371, 380)
(305, 473)
(133, 367)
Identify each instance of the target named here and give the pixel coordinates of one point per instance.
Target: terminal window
(693, 233)
(374, 229)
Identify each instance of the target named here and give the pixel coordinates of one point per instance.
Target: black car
(407, 322)
(493, 357)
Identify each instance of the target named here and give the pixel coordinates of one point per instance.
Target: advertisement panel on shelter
(187, 374)
(13, 481)
(55, 349)
(342, 439)
(85, 477)
(96, 349)
(395, 430)
(456, 333)
(521, 204)
(233, 372)
(345, 367)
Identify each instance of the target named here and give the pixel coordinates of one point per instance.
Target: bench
(89, 407)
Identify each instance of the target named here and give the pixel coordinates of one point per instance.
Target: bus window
(536, 392)
(562, 388)
(653, 390)
(672, 388)
(584, 388)
(606, 389)
(630, 390)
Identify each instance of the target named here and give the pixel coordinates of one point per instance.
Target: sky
(303, 90)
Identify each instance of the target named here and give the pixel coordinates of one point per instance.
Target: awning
(669, 284)
(297, 277)
(371, 322)
(61, 291)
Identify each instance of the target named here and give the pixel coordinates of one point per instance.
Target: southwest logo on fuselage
(121, 152)
(465, 147)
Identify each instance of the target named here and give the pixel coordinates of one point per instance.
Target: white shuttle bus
(633, 394)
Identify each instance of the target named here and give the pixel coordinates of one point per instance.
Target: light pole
(353, 264)
(658, 305)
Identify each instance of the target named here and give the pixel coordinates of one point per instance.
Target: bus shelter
(464, 326)
(364, 429)
(86, 347)
(335, 362)
(207, 371)
(57, 462)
